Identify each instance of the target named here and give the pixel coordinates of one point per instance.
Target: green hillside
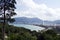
(19, 33)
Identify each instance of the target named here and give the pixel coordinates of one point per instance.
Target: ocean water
(31, 27)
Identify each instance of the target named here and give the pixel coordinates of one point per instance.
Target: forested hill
(19, 33)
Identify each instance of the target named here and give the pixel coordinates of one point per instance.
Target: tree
(7, 8)
(24, 36)
(50, 35)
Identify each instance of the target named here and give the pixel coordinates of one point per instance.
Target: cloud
(28, 8)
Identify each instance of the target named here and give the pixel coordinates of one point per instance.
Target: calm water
(31, 27)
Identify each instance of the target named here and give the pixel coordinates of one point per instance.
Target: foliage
(51, 35)
(19, 33)
(8, 6)
(24, 36)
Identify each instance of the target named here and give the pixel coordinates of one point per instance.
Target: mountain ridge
(25, 20)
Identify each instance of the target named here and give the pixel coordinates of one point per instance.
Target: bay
(31, 27)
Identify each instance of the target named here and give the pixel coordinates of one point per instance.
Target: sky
(42, 9)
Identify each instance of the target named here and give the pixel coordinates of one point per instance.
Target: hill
(25, 20)
(19, 33)
(16, 33)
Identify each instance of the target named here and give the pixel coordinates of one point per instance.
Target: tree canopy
(9, 10)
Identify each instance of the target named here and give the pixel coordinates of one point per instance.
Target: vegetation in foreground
(19, 33)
